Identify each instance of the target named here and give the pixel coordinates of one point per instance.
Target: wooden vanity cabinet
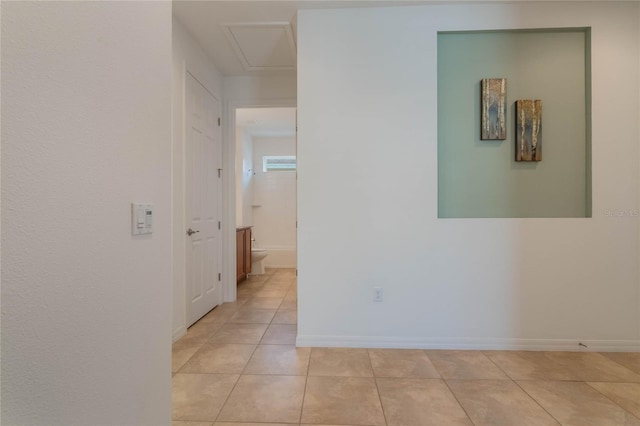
(243, 253)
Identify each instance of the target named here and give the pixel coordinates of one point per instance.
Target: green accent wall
(480, 178)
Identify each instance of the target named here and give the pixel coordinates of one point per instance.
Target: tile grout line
(612, 401)
(619, 363)
(456, 398)
(255, 348)
(458, 401)
(306, 382)
(202, 344)
(306, 375)
(375, 381)
(227, 398)
(497, 366)
(187, 360)
(538, 402)
(518, 384)
(426, 353)
(449, 387)
(238, 380)
(232, 389)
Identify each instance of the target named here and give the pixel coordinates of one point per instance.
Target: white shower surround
(274, 196)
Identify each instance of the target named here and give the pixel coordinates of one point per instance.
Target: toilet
(257, 256)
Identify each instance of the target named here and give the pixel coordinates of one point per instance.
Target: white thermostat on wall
(141, 219)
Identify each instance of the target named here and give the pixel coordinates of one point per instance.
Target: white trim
(229, 185)
(638, 260)
(280, 248)
(227, 29)
(178, 333)
(470, 343)
(271, 134)
(178, 257)
(280, 266)
(280, 257)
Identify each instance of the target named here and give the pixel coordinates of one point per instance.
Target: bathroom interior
(265, 190)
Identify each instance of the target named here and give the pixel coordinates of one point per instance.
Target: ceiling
(263, 46)
(267, 121)
(254, 37)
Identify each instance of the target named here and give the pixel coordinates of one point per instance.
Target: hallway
(254, 335)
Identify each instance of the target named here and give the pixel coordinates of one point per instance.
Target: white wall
(274, 194)
(187, 56)
(249, 90)
(257, 91)
(244, 178)
(371, 218)
(86, 307)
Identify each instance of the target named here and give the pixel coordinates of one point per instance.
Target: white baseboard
(288, 266)
(178, 333)
(470, 344)
(279, 257)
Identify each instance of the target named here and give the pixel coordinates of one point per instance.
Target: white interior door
(203, 157)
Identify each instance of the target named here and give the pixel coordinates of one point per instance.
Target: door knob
(190, 232)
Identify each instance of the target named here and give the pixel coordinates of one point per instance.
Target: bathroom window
(275, 163)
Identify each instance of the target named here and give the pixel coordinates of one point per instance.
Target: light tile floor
(238, 366)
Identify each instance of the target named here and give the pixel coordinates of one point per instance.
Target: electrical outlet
(377, 294)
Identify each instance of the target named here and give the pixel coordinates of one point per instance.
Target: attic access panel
(263, 46)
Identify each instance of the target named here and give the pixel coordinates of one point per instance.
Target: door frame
(178, 192)
(229, 286)
(186, 190)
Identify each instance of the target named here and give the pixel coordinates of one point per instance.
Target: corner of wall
(188, 56)
(86, 306)
(638, 121)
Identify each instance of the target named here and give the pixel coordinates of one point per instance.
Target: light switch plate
(141, 219)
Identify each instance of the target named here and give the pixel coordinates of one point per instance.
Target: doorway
(203, 201)
(266, 186)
